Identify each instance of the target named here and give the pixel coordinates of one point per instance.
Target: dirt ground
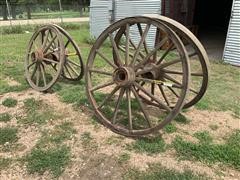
(101, 162)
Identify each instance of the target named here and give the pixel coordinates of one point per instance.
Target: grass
(37, 112)
(148, 145)
(5, 163)
(123, 158)
(228, 153)
(181, 119)
(8, 135)
(156, 171)
(203, 137)
(213, 127)
(170, 128)
(9, 102)
(53, 160)
(5, 117)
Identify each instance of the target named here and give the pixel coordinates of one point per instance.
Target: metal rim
(45, 58)
(200, 55)
(126, 76)
(72, 70)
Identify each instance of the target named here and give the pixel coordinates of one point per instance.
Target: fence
(10, 11)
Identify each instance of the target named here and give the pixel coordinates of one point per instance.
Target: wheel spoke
(102, 86)
(71, 68)
(129, 54)
(69, 61)
(163, 94)
(31, 64)
(50, 44)
(173, 91)
(142, 107)
(51, 61)
(164, 65)
(140, 43)
(34, 71)
(152, 97)
(43, 74)
(45, 40)
(104, 58)
(172, 72)
(67, 43)
(193, 54)
(165, 54)
(38, 76)
(141, 34)
(177, 85)
(117, 105)
(68, 71)
(108, 97)
(100, 72)
(127, 44)
(114, 45)
(129, 109)
(197, 74)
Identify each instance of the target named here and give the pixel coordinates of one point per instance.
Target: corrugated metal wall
(232, 46)
(100, 16)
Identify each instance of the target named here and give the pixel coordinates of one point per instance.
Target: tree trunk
(14, 11)
(5, 16)
(28, 11)
(80, 2)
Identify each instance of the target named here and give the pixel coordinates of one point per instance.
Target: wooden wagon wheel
(73, 68)
(114, 77)
(198, 57)
(45, 58)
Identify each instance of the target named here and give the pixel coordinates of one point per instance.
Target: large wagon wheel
(114, 78)
(198, 57)
(45, 58)
(73, 68)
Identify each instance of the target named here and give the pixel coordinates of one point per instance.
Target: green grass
(123, 158)
(150, 146)
(228, 153)
(181, 119)
(5, 163)
(8, 135)
(157, 172)
(5, 117)
(170, 128)
(203, 137)
(37, 112)
(53, 160)
(10, 102)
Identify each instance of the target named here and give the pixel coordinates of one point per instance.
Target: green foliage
(53, 160)
(8, 134)
(181, 119)
(228, 153)
(156, 172)
(5, 117)
(170, 128)
(9, 102)
(86, 138)
(203, 137)
(152, 145)
(123, 158)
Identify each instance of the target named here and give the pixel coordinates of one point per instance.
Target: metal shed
(232, 46)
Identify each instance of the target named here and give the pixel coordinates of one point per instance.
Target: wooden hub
(38, 56)
(124, 76)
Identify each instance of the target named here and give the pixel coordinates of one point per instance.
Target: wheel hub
(37, 55)
(124, 76)
(152, 72)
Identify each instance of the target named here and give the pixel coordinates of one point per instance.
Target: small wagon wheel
(45, 58)
(198, 57)
(114, 77)
(73, 68)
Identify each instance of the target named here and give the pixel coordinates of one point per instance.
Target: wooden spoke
(153, 97)
(31, 64)
(67, 43)
(100, 72)
(129, 109)
(197, 74)
(129, 54)
(50, 44)
(114, 45)
(104, 58)
(165, 54)
(102, 86)
(34, 71)
(173, 72)
(108, 97)
(142, 107)
(127, 44)
(43, 74)
(71, 68)
(71, 62)
(193, 90)
(152, 88)
(140, 43)
(66, 68)
(173, 91)
(51, 61)
(193, 54)
(141, 34)
(163, 94)
(164, 65)
(45, 40)
(117, 105)
(178, 84)
(38, 76)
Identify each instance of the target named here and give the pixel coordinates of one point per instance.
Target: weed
(116, 140)
(5, 163)
(156, 171)
(228, 153)
(8, 135)
(88, 141)
(203, 137)
(53, 160)
(182, 119)
(148, 145)
(5, 117)
(170, 128)
(123, 158)
(9, 102)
